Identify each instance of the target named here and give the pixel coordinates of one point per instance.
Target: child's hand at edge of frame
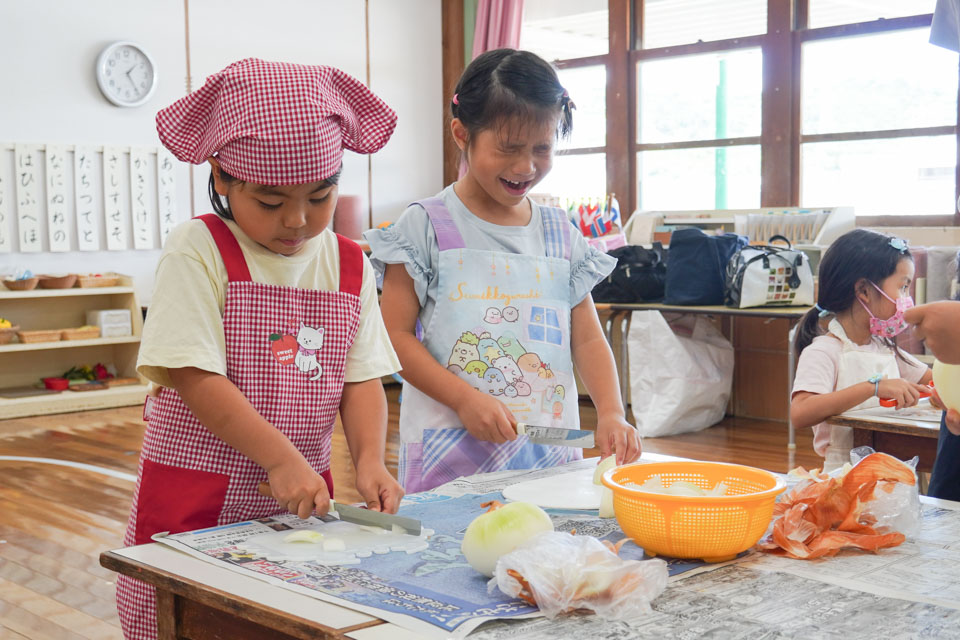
(615, 434)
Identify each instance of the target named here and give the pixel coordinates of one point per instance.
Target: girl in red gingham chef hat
(263, 323)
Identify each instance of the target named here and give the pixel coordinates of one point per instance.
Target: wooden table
(197, 600)
(622, 311)
(900, 437)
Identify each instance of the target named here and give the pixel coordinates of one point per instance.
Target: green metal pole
(720, 153)
(469, 25)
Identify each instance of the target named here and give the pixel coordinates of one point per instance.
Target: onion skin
(501, 530)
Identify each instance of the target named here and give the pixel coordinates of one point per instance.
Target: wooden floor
(55, 520)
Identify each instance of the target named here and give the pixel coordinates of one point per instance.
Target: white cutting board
(574, 490)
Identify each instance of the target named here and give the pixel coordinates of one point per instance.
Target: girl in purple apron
(501, 288)
(263, 324)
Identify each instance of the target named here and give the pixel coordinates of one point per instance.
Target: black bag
(698, 266)
(639, 276)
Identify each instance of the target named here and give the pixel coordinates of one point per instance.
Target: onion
(654, 484)
(607, 463)
(501, 530)
(947, 379)
(304, 535)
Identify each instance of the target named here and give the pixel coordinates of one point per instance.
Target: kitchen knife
(366, 517)
(556, 436)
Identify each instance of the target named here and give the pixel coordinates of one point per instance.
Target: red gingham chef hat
(276, 123)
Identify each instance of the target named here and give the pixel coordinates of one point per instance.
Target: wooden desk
(900, 437)
(200, 601)
(622, 312)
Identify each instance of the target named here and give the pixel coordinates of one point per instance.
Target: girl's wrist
(874, 382)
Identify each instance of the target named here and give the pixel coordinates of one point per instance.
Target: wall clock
(126, 74)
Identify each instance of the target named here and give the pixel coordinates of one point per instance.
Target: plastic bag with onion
(561, 572)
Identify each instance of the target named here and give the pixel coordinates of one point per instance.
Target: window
(673, 22)
(870, 105)
(544, 325)
(564, 29)
(560, 30)
(748, 103)
(826, 13)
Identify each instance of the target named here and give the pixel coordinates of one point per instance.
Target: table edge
(217, 598)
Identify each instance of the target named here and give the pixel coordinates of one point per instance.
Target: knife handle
(264, 489)
(890, 402)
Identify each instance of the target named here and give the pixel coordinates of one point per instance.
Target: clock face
(126, 74)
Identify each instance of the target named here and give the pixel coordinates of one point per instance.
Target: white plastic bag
(564, 572)
(681, 373)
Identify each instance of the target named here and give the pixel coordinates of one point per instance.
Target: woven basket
(80, 333)
(45, 335)
(98, 280)
(22, 285)
(58, 282)
(6, 335)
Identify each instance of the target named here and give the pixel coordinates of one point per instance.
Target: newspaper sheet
(925, 568)
(432, 591)
(911, 591)
(737, 602)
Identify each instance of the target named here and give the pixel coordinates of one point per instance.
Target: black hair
(506, 83)
(861, 254)
(221, 204)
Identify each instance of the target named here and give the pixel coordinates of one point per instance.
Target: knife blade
(556, 436)
(366, 517)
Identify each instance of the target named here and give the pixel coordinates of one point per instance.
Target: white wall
(48, 91)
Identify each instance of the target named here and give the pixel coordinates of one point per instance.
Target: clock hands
(129, 78)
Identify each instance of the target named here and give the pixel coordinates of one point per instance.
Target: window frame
(781, 135)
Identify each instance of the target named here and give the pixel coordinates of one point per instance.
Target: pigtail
(807, 329)
(566, 115)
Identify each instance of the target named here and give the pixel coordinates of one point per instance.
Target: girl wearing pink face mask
(848, 356)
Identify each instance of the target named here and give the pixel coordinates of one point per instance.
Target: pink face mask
(895, 324)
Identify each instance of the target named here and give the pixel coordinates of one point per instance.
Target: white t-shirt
(184, 326)
(817, 373)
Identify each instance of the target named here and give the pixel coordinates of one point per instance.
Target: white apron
(853, 367)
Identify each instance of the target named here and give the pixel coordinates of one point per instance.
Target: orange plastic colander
(712, 528)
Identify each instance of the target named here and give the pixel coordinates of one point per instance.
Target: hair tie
(566, 94)
(823, 312)
(899, 244)
(456, 99)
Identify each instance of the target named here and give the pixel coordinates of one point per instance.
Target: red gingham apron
(189, 478)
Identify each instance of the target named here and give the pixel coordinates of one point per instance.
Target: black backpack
(639, 276)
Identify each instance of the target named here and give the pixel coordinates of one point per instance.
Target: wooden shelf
(7, 294)
(65, 401)
(66, 344)
(25, 364)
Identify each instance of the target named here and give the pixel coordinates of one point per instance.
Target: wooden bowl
(58, 282)
(22, 285)
(6, 335)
